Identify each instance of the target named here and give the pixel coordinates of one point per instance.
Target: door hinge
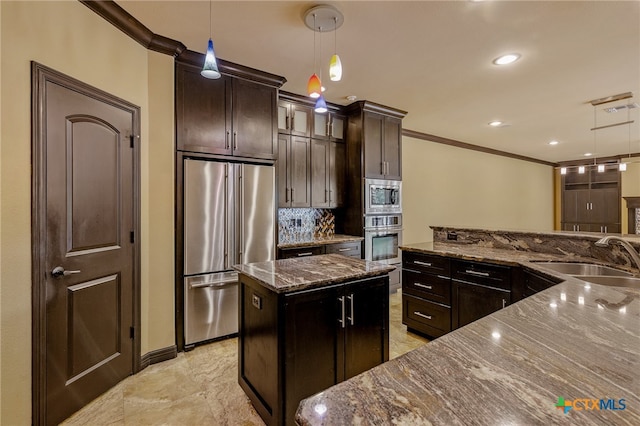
(132, 237)
(132, 332)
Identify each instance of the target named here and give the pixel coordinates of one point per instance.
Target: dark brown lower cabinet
(474, 301)
(293, 345)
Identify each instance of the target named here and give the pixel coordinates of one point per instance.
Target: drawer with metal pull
(491, 275)
(431, 287)
(427, 317)
(436, 265)
(351, 249)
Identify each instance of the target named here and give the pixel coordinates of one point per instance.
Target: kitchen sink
(612, 281)
(579, 269)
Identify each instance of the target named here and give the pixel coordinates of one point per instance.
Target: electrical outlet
(452, 236)
(256, 301)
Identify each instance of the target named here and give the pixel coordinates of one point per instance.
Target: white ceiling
(434, 60)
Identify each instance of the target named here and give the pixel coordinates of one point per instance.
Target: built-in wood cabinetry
(329, 126)
(591, 200)
(382, 146)
(320, 182)
(229, 116)
(294, 171)
(440, 294)
(293, 345)
(327, 173)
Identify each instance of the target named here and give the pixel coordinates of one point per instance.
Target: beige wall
(70, 38)
(448, 186)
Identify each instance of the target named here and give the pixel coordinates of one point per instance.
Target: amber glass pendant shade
(314, 87)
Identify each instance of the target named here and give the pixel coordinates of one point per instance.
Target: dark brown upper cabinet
(374, 140)
(294, 118)
(329, 126)
(228, 116)
(327, 174)
(294, 171)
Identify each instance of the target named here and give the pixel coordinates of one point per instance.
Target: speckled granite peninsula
(574, 343)
(306, 324)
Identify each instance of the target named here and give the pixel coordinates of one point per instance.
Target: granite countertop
(509, 367)
(288, 275)
(310, 240)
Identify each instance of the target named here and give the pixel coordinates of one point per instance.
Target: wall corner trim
(121, 19)
(452, 142)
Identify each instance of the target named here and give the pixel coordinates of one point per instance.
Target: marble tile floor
(192, 390)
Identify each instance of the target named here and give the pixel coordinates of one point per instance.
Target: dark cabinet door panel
(300, 172)
(373, 134)
(472, 302)
(203, 112)
(367, 326)
(392, 148)
(254, 120)
(311, 345)
(320, 173)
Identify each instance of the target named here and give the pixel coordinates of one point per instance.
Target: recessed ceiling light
(506, 59)
(554, 143)
(495, 123)
(588, 154)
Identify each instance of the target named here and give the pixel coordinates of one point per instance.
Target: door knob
(59, 271)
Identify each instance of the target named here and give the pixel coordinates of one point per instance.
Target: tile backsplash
(304, 224)
(638, 221)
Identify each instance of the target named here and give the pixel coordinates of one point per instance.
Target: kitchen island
(306, 324)
(569, 354)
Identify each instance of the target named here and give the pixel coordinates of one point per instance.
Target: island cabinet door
(310, 345)
(472, 302)
(366, 326)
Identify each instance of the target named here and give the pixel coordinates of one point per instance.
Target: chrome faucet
(604, 242)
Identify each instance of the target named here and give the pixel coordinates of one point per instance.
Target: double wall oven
(383, 224)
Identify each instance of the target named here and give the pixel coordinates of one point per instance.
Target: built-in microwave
(383, 196)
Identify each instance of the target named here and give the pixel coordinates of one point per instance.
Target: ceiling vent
(619, 108)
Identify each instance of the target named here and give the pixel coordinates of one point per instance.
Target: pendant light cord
(314, 43)
(209, 18)
(335, 35)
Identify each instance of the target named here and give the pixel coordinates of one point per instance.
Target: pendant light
(314, 86)
(335, 66)
(322, 18)
(321, 104)
(210, 68)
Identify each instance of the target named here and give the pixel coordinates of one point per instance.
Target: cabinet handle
(341, 320)
(352, 316)
(286, 195)
(306, 253)
(417, 262)
(605, 229)
(382, 167)
(226, 140)
(291, 194)
(504, 303)
(420, 314)
(330, 195)
(428, 287)
(345, 249)
(480, 274)
(325, 195)
(290, 123)
(235, 140)
(327, 130)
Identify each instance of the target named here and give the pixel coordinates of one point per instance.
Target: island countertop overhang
(289, 275)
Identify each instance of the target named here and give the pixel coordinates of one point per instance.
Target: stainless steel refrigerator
(229, 218)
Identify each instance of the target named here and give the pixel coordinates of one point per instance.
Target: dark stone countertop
(288, 275)
(317, 241)
(509, 367)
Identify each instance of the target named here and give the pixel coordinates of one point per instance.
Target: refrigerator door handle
(241, 224)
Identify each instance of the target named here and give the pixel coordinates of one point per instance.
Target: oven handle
(385, 230)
